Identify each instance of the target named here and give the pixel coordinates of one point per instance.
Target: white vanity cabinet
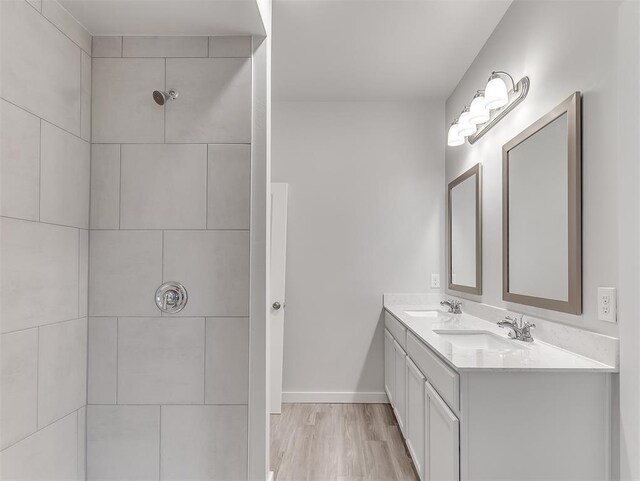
(494, 423)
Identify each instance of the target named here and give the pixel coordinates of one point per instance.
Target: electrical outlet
(607, 304)
(435, 281)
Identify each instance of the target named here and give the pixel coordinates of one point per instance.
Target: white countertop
(527, 356)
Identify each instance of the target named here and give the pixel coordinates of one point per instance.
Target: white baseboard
(335, 397)
(270, 478)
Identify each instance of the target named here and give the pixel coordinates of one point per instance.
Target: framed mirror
(541, 212)
(464, 224)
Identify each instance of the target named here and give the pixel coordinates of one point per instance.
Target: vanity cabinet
(442, 448)
(400, 386)
(389, 365)
(416, 415)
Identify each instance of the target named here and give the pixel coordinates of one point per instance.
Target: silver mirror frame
(477, 171)
(571, 107)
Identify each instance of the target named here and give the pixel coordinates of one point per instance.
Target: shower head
(162, 97)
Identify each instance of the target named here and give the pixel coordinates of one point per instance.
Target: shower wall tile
(85, 97)
(62, 370)
(164, 186)
(39, 275)
(49, 454)
(165, 47)
(204, 442)
(213, 266)
(122, 107)
(65, 176)
(161, 360)
(107, 47)
(62, 19)
(230, 46)
(227, 364)
(229, 187)
(105, 186)
(19, 162)
(82, 443)
(123, 443)
(19, 378)
(37, 4)
(217, 108)
(103, 360)
(125, 271)
(83, 273)
(45, 74)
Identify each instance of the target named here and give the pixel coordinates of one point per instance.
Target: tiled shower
(105, 196)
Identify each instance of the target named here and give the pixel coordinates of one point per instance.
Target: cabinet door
(442, 454)
(400, 386)
(389, 365)
(415, 425)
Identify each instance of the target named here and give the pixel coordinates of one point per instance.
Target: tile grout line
(43, 325)
(46, 223)
(59, 29)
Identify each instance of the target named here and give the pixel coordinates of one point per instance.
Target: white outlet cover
(607, 304)
(435, 280)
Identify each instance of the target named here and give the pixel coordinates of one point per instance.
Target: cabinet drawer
(397, 330)
(442, 377)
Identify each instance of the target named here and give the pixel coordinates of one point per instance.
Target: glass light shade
(496, 94)
(454, 138)
(465, 128)
(478, 112)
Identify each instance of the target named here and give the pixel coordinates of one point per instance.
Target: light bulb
(478, 112)
(495, 93)
(454, 138)
(465, 128)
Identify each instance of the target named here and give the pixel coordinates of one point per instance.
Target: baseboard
(270, 478)
(335, 397)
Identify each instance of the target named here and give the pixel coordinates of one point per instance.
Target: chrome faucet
(518, 329)
(454, 306)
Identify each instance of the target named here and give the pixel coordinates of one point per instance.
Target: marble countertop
(533, 356)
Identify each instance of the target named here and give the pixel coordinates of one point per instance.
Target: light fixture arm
(497, 72)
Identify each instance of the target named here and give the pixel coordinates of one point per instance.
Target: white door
(389, 365)
(415, 425)
(400, 386)
(278, 268)
(442, 456)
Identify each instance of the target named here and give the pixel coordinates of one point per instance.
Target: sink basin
(478, 340)
(433, 314)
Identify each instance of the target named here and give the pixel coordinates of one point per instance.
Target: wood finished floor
(338, 442)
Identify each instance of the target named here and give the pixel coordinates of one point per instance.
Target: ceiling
(167, 17)
(376, 50)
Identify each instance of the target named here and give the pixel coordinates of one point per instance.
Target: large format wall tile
(39, 275)
(164, 186)
(204, 442)
(62, 370)
(65, 176)
(227, 364)
(85, 97)
(107, 47)
(213, 266)
(165, 47)
(216, 103)
(230, 46)
(83, 273)
(19, 162)
(123, 110)
(62, 19)
(43, 66)
(160, 361)
(105, 186)
(125, 269)
(123, 443)
(229, 195)
(50, 454)
(18, 385)
(102, 360)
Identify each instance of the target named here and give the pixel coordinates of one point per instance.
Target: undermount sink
(478, 340)
(433, 314)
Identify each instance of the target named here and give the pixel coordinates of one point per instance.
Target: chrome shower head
(161, 97)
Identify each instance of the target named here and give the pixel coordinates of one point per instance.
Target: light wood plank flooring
(338, 442)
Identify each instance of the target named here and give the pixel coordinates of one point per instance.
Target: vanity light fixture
(477, 118)
(454, 138)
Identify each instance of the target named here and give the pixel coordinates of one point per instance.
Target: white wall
(532, 39)
(365, 217)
